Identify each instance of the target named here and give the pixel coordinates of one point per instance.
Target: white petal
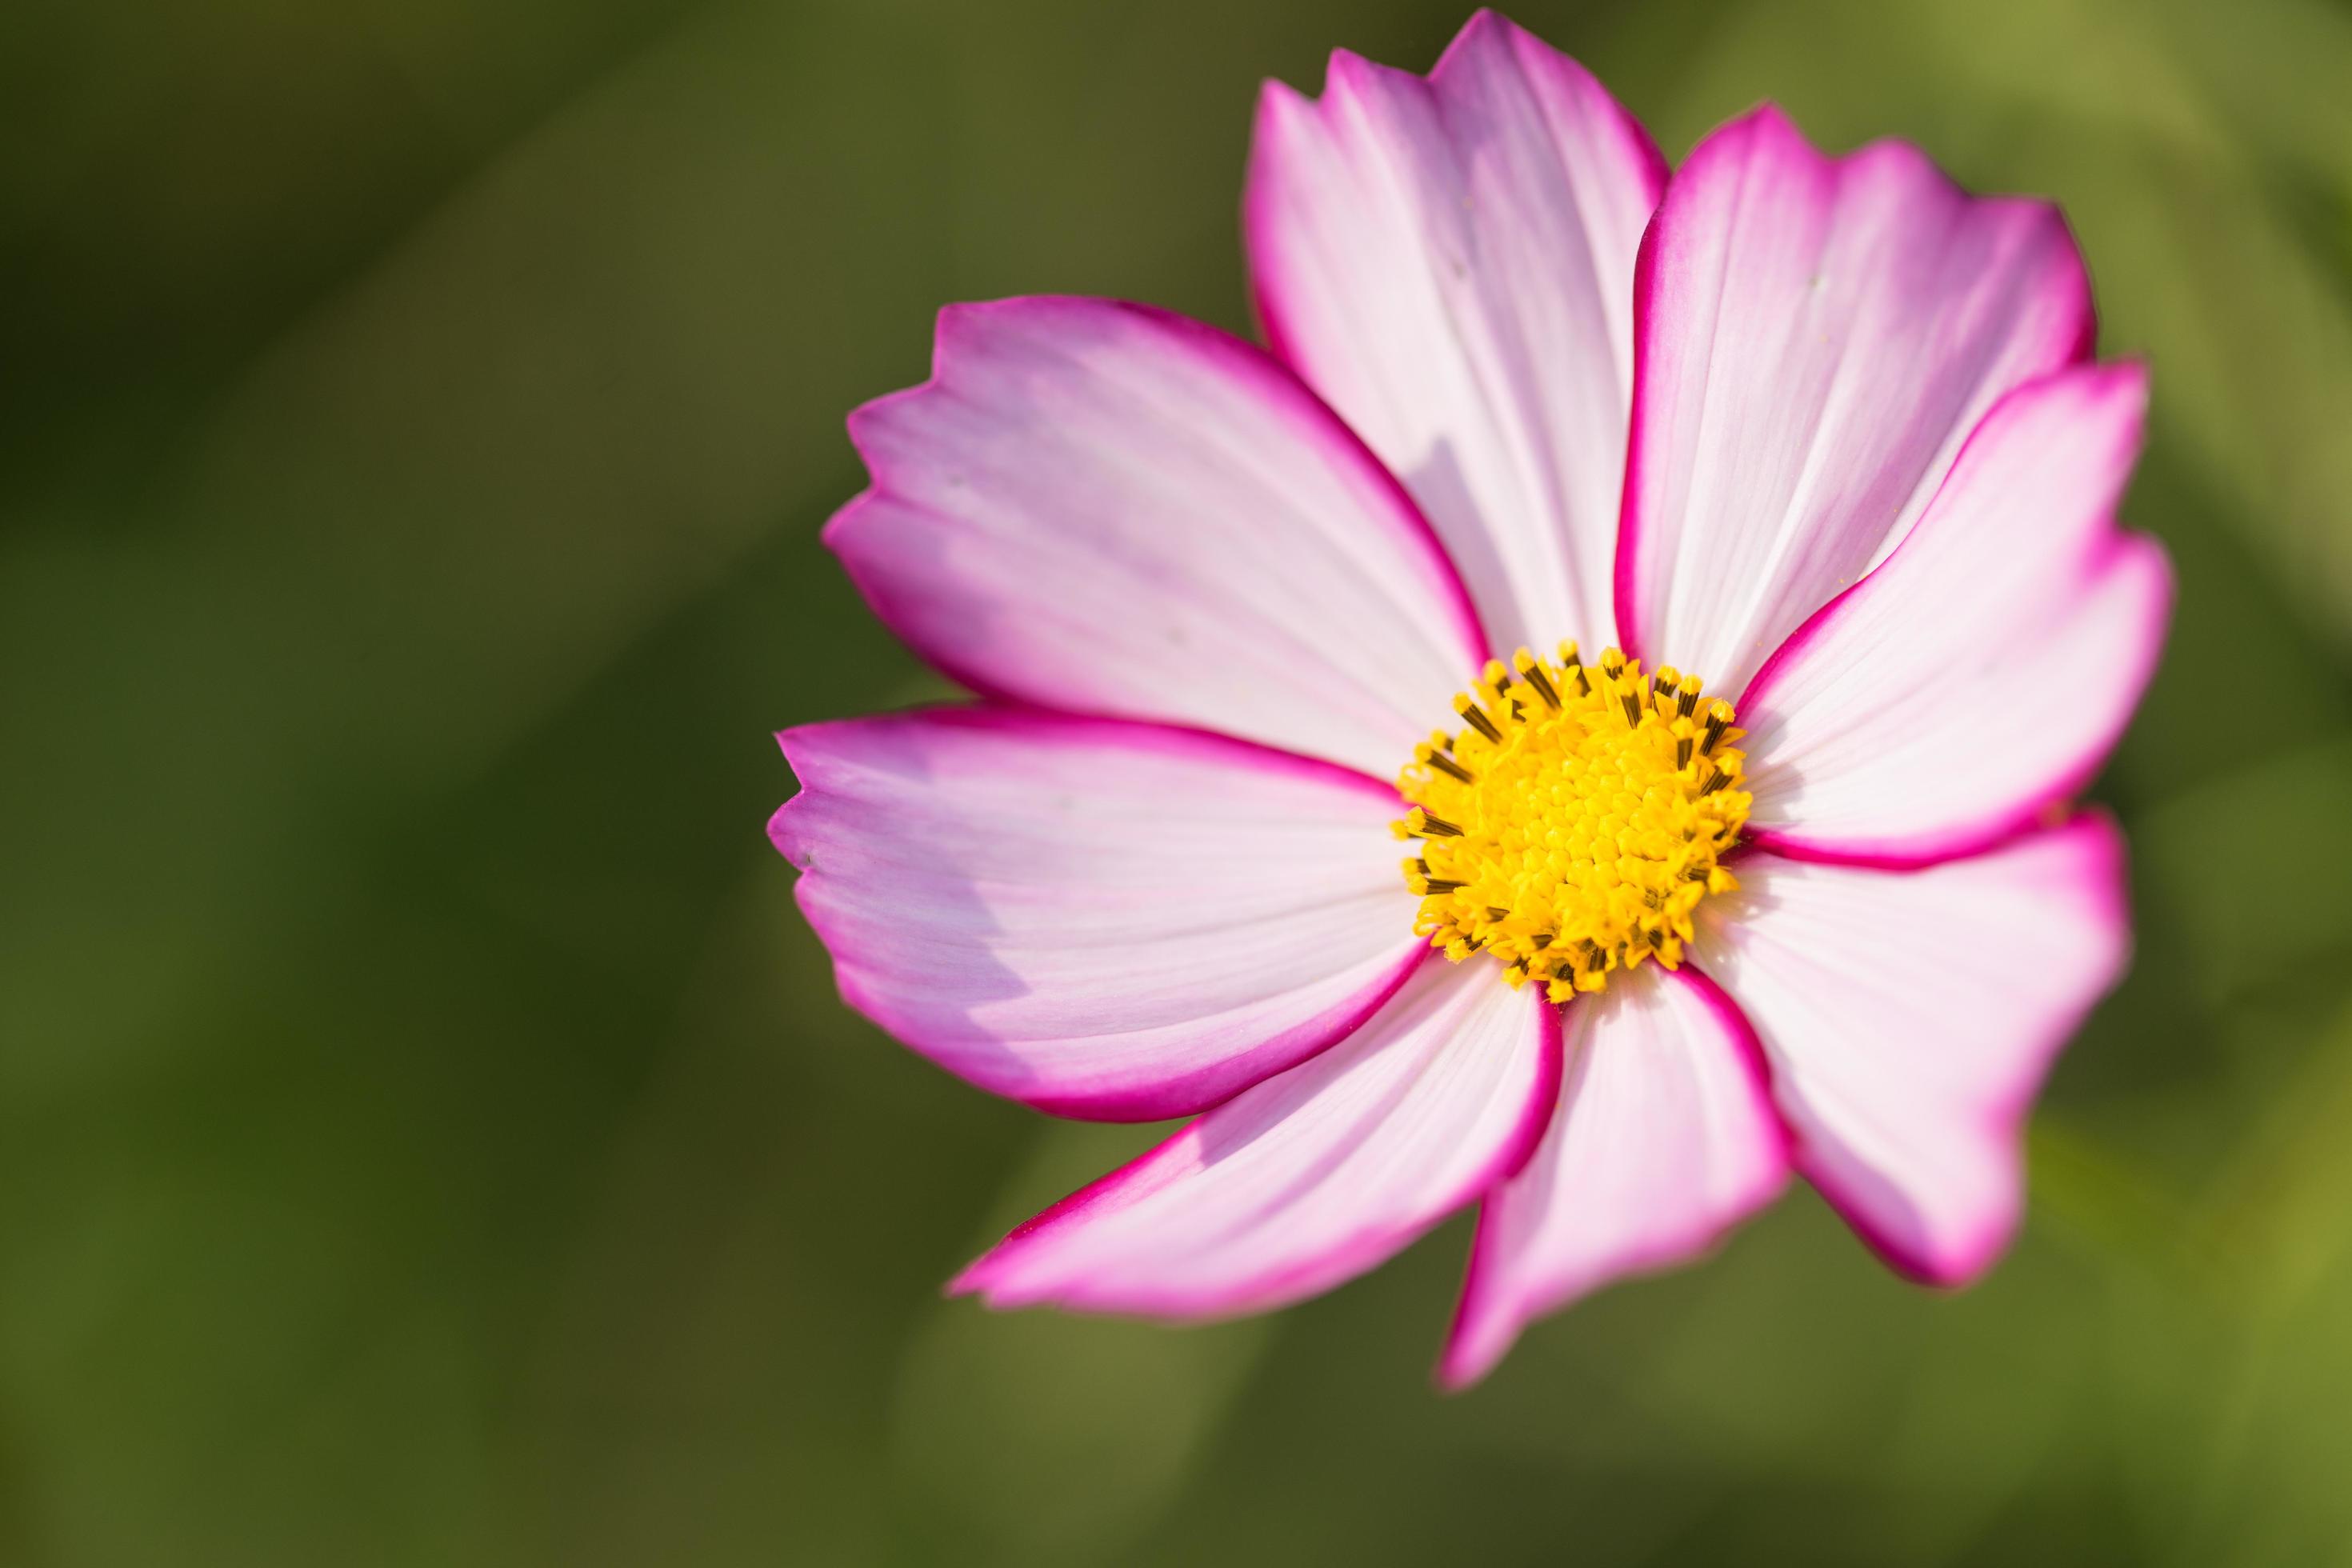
(1665, 1138)
(1097, 918)
(1106, 508)
(1449, 262)
(1312, 1177)
(1814, 340)
(1909, 1017)
(1977, 678)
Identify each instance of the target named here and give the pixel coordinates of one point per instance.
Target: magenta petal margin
(1309, 1178)
(1096, 951)
(1665, 1137)
(1909, 1018)
(1813, 339)
(1449, 261)
(1974, 682)
(1104, 507)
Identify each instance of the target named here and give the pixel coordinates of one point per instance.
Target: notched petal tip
(979, 914)
(1674, 1059)
(2019, 607)
(1922, 1153)
(1305, 1181)
(1778, 280)
(1447, 259)
(1069, 495)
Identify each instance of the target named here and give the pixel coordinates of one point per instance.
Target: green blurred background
(427, 1134)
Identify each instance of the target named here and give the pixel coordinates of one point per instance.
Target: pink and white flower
(1827, 432)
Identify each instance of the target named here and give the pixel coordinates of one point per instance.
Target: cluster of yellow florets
(1575, 821)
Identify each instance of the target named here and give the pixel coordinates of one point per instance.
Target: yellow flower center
(1575, 821)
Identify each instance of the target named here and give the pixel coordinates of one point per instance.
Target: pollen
(1575, 820)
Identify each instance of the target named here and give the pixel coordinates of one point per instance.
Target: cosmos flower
(1713, 581)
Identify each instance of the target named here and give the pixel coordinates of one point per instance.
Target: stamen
(1430, 756)
(1718, 720)
(1476, 717)
(1569, 662)
(1533, 674)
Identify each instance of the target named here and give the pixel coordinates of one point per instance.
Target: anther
(1688, 697)
(1718, 720)
(1419, 823)
(1532, 672)
(1573, 662)
(1633, 711)
(1476, 717)
(1430, 756)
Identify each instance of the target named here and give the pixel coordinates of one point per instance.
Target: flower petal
(1451, 263)
(1665, 1137)
(1909, 1018)
(1096, 917)
(1312, 1177)
(1108, 508)
(1980, 675)
(1813, 339)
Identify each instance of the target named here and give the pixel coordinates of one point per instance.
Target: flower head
(1713, 579)
(1575, 824)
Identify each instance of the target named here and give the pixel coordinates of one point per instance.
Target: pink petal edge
(1325, 1260)
(1004, 648)
(1175, 1093)
(2114, 549)
(1997, 1121)
(1483, 284)
(2077, 332)
(1485, 1328)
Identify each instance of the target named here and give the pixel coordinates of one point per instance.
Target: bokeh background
(427, 1133)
